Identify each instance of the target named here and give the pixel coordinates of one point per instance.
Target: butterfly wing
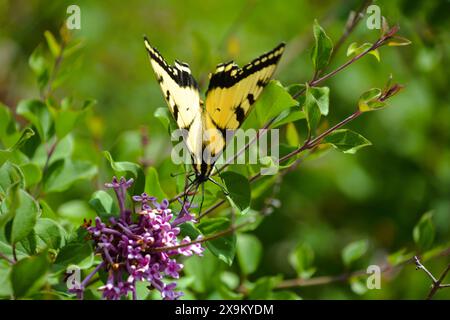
(178, 86)
(232, 91)
(181, 93)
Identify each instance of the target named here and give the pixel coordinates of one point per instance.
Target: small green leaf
(346, 140)
(53, 45)
(397, 41)
(103, 204)
(38, 114)
(312, 110)
(323, 47)
(29, 274)
(32, 174)
(369, 100)
(223, 247)
(49, 234)
(354, 251)
(25, 211)
(163, 115)
(398, 257)
(249, 252)
(75, 250)
(40, 66)
(128, 170)
(302, 260)
(65, 172)
(66, 118)
(263, 287)
(5, 282)
(358, 286)
(423, 232)
(152, 185)
(238, 188)
(354, 49)
(273, 100)
(292, 137)
(285, 295)
(289, 115)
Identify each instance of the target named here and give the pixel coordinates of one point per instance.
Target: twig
(55, 70)
(301, 282)
(3, 256)
(380, 42)
(436, 283)
(352, 21)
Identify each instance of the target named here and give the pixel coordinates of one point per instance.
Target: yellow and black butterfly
(231, 93)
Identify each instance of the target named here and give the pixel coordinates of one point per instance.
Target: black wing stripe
(228, 78)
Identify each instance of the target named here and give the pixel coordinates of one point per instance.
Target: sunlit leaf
(346, 140)
(323, 47)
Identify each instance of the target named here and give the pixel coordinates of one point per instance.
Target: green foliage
(423, 232)
(354, 251)
(54, 143)
(323, 48)
(346, 140)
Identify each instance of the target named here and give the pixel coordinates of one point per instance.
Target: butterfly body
(230, 95)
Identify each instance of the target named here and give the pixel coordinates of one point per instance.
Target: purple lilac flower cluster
(128, 245)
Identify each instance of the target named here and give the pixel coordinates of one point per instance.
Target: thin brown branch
(301, 282)
(5, 257)
(436, 283)
(352, 21)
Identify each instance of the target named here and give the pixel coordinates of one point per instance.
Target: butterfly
(228, 100)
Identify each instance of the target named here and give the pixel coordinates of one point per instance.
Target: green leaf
(40, 66)
(369, 100)
(358, 286)
(152, 185)
(163, 115)
(321, 98)
(397, 41)
(103, 204)
(32, 174)
(354, 251)
(53, 45)
(355, 49)
(323, 47)
(49, 234)
(302, 260)
(423, 232)
(29, 274)
(65, 172)
(10, 154)
(285, 295)
(67, 118)
(249, 251)
(223, 247)
(10, 174)
(273, 100)
(346, 140)
(5, 283)
(312, 110)
(289, 115)
(292, 137)
(399, 256)
(38, 114)
(128, 170)
(238, 188)
(75, 250)
(262, 289)
(25, 211)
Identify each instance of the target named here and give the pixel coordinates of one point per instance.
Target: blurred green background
(378, 194)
